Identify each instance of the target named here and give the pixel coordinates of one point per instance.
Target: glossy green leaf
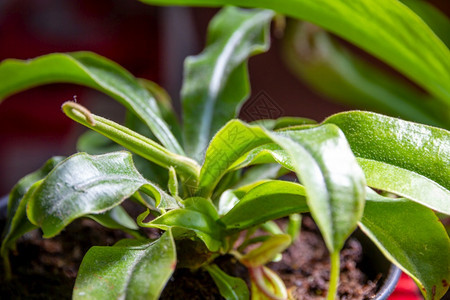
(407, 184)
(267, 201)
(227, 146)
(412, 237)
(397, 147)
(322, 160)
(336, 73)
(128, 270)
(17, 221)
(133, 141)
(198, 215)
(267, 251)
(91, 70)
(268, 153)
(395, 156)
(334, 182)
(216, 80)
(85, 184)
(387, 29)
(231, 288)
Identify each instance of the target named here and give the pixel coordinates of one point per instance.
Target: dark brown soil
(47, 268)
(305, 268)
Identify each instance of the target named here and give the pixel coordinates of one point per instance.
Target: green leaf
(267, 251)
(17, 221)
(322, 160)
(19, 224)
(283, 122)
(95, 143)
(198, 215)
(85, 184)
(128, 270)
(260, 172)
(133, 141)
(266, 284)
(266, 201)
(227, 146)
(341, 76)
(91, 70)
(117, 218)
(231, 288)
(387, 29)
(407, 184)
(165, 106)
(437, 20)
(294, 226)
(216, 80)
(334, 182)
(412, 237)
(268, 153)
(393, 147)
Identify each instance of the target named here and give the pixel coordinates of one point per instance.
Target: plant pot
(381, 265)
(374, 261)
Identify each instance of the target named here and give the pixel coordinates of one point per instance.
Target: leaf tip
(80, 109)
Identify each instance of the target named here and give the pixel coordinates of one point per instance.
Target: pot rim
(389, 284)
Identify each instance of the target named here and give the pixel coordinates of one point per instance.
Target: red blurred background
(150, 42)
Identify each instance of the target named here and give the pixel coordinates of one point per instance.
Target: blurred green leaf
(294, 226)
(412, 237)
(127, 270)
(437, 20)
(84, 184)
(92, 70)
(165, 107)
(267, 251)
(216, 80)
(231, 288)
(341, 76)
(266, 284)
(386, 29)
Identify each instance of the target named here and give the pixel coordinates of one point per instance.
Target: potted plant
(223, 180)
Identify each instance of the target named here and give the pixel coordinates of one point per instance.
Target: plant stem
(134, 142)
(334, 275)
(7, 267)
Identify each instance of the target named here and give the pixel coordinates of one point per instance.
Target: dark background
(150, 42)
